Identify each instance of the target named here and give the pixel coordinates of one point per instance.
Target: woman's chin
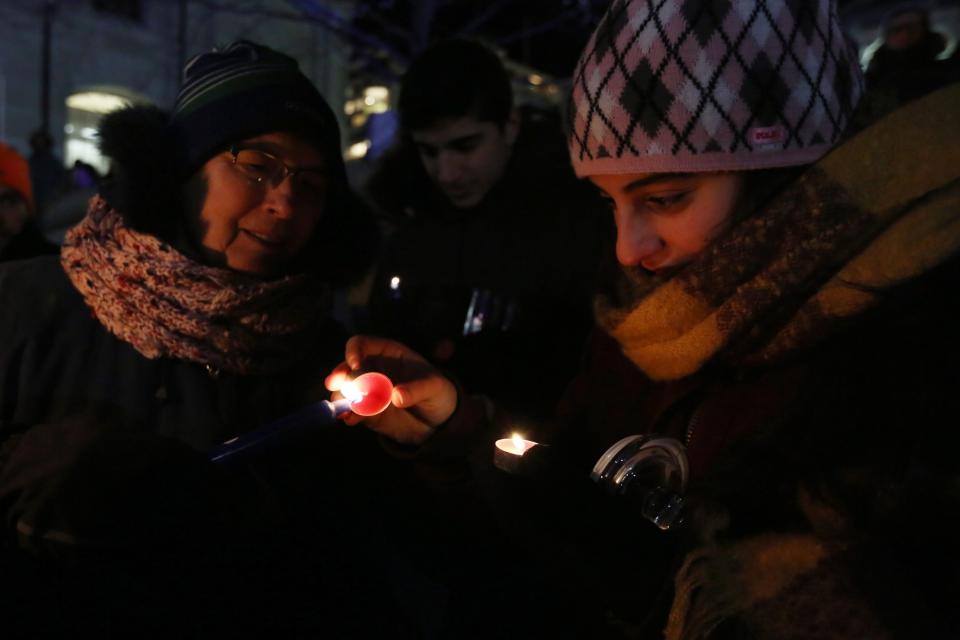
(258, 266)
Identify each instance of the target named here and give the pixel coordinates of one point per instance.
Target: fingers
(351, 419)
(429, 396)
(432, 389)
(399, 425)
(337, 377)
(359, 348)
(433, 399)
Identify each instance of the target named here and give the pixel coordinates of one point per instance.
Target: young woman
(784, 310)
(188, 307)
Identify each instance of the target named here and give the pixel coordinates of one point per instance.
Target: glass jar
(650, 471)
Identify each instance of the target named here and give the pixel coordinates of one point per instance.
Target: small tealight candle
(509, 452)
(367, 395)
(373, 391)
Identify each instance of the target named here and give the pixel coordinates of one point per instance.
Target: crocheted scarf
(166, 305)
(864, 219)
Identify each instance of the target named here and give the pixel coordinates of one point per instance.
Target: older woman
(188, 307)
(785, 314)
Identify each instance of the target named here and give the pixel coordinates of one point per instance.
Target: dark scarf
(166, 305)
(863, 220)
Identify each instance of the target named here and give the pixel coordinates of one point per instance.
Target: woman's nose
(637, 238)
(280, 198)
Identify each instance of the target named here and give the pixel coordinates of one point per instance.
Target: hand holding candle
(366, 395)
(421, 397)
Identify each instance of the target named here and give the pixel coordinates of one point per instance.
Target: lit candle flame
(350, 392)
(519, 443)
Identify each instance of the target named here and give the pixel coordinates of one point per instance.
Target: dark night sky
(547, 35)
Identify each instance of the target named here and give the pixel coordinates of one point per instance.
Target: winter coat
(103, 465)
(27, 244)
(113, 517)
(822, 494)
(849, 444)
(510, 279)
(59, 361)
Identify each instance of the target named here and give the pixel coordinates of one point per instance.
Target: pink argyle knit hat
(711, 85)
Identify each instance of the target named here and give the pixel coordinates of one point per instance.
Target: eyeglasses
(263, 168)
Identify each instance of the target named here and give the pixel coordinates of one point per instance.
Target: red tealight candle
(374, 390)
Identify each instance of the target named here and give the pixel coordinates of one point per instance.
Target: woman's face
(665, 219)
(13, 213)
(256, 217)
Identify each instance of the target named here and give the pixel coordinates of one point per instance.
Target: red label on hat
(767, 135)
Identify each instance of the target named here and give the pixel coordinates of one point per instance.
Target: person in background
(907, 65)
(472, 180)
(19, 236)
(70, 206)
(47, 172)
(783, 324)
(188, 307)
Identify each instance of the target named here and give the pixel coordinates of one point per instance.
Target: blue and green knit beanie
(244, 90)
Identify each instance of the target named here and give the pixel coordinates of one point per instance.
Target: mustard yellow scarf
(880, 209)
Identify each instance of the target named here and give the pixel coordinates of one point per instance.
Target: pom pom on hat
(711, 85)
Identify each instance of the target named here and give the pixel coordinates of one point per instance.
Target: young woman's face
(665, 219)
(255, 217)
